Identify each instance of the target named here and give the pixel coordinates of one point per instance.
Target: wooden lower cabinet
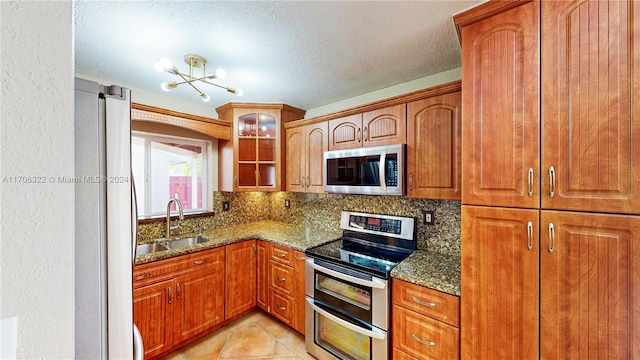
(177, 299)
(425, 323)
(240, 277)
(154, 317)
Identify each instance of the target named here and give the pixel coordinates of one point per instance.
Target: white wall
(36, 132)
(404, 88)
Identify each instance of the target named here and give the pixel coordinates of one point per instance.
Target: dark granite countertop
(293, 236)
(430, 269)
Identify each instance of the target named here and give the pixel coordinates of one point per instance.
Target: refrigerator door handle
(134, 219)
(138, 344)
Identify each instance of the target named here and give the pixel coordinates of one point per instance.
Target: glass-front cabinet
(252, 160)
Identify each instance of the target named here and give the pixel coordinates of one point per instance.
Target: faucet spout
(180, 216)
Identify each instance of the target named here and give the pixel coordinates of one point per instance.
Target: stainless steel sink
(186, 241)
(145, 249)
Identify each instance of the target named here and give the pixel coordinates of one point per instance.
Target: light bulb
(239, 92)
(221, 74)
(263, 128)
(165, 86)
(205, 97)
(158, 66)
(166, 63)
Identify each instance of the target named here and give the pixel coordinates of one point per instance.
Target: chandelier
(194, 61)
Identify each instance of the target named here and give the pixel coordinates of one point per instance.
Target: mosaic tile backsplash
(322, 211)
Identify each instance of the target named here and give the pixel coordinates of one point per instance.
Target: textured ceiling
(304, 53)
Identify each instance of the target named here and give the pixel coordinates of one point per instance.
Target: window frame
(207, 171)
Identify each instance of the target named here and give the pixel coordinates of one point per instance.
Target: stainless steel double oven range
(348, 290)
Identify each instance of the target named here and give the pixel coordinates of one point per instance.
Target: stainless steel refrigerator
(105, 222)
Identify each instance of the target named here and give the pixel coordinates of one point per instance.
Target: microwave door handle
(372, 284)
(383, 163)
(374, 333)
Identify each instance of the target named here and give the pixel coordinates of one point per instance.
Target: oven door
(350, 292)
(330, 335)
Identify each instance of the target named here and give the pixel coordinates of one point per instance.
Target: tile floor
(256, 335)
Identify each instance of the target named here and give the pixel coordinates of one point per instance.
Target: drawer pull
(430, 343)
(200, 262)
(429, 304)
(281, 308)
(279, 254)
(300, 257)
(144, 276)
(281, 278)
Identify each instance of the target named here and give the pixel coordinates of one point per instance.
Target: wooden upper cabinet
(500, 121)
(305, 151)
(240, 277)
(590, 109)
(373, 128)
(499, 302)
(590, 286)
(252, 159)
(433, 147)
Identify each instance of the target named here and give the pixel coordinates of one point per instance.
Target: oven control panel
(394, 226)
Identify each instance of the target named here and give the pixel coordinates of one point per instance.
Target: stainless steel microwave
(371, 171)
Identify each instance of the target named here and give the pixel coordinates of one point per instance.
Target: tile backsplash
(323, 211)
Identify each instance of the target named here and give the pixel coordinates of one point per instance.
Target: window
(167, 167)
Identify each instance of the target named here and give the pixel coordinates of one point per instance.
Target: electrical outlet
(287, 203)
(427, 216)
(225, 206)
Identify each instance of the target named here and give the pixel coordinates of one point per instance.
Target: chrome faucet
(180, 216)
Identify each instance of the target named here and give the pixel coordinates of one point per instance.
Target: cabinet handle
(430, 343)
(144, 276)
(278, 254)
(177, 291)
(366, 134)
(200, 262)
(281, 308)
(300, 257)
(530, 235)
(530, 182)
(552, 181)
(410, 182)
(170, 294)
(302, 181)
(359, 135)
(281, 278)
(552, 238)
(306, 183)
(429, 304)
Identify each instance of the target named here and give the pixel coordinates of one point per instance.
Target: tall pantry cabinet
(551, 181)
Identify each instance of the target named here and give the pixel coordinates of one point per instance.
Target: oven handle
(372, 284)
(375, 333)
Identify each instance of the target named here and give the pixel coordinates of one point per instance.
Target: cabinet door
(296, 159)
(199, 302)
(499, 317)
(433, 147)
(501, 120)
(262, 275)
(316, 143)
(240, 278)
(345, 133)
(385, 126)
(590, 110)
(298, 291)
(590, 286)
(153, 314)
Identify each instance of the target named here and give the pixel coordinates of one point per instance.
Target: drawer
(401, 355)
(282, 277)
(282, 307)
(281, 254)
(432, 303)
(422, 337)
(152, 272)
